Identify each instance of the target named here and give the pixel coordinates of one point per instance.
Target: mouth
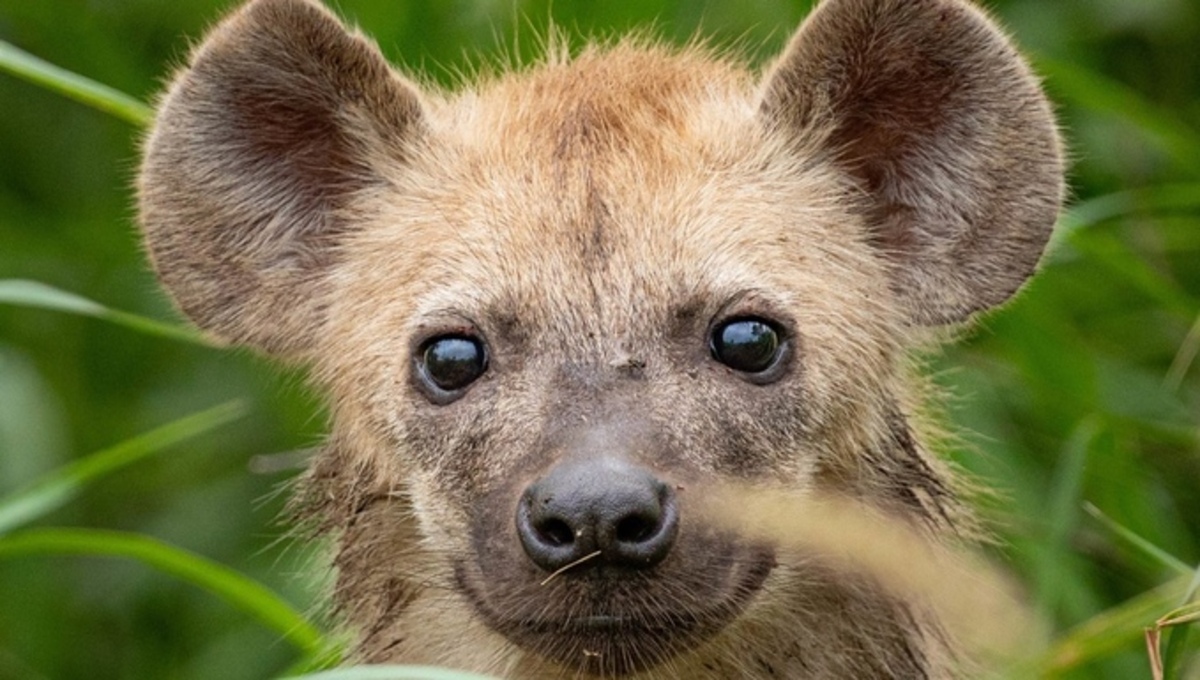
(612, 624)
(602, 624)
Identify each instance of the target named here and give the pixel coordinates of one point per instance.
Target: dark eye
(451, 362)
(746, 345)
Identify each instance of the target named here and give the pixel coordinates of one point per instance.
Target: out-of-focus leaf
(1063, 511)
(60, 486)
(1120, 261)
(235, 588)
(1169, 197)
(1090, 89)
(33, 431)
(1185, 356)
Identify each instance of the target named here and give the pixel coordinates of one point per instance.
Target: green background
(1082, 392)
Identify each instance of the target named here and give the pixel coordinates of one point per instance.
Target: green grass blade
(35, 294)
(1147, 548)
(60, 486)
(1177, 642)
(1093, 211)
(1107, 250)
(1193, 588)
(40, 72)
(1062, 512)
(1173, 657)
(1106, 633)
(391, 673)
(1094, 91)
(228, 584)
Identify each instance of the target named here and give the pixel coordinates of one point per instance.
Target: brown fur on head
(587, 232)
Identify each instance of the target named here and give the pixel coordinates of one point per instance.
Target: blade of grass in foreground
(1188, 613)
(1106, 633)
(391, 673)
(228, 584)
(56, 489)
(1177, 635)
(1143, 546)
(39, 295)
(40, 72)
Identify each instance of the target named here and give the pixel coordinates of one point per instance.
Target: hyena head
(552, 308)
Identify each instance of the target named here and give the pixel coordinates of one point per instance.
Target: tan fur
(590, 219)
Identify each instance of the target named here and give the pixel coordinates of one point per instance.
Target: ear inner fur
(257, 145)
(929, 108)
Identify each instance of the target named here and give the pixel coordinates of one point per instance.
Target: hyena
(554, 307)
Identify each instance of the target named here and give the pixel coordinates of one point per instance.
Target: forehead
(598, 189)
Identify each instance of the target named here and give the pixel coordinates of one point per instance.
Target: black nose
(597, 505)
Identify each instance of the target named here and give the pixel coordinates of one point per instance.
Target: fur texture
(590, 222)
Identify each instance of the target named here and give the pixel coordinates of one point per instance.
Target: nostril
(644, 536)
(556, 532)
(549, 539)
(635, 528)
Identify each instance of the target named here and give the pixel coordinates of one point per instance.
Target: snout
(603, 563)
(597, 511)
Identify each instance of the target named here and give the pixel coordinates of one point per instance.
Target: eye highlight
(749, 345)
(447, 364)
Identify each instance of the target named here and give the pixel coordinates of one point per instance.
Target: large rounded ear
(258, 145)
(929, 108)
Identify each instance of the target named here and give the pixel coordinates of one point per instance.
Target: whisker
(565, 568)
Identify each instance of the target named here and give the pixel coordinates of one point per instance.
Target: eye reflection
(749, 345)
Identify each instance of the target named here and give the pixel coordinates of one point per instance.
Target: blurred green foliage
(1084, 391)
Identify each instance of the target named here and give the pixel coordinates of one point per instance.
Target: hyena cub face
(554, 308)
